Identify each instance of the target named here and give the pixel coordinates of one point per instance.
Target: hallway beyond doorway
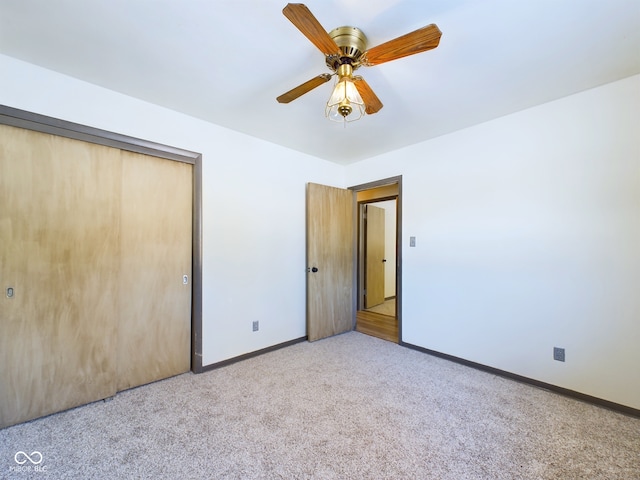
(386, 308)
(377, 325)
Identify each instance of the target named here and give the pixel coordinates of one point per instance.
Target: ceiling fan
(345, 50)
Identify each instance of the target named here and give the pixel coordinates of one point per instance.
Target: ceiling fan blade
(304, 20)
(371, 102)
(421, 40)
(303, 88)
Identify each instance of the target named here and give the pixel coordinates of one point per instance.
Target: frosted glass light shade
(345, 103)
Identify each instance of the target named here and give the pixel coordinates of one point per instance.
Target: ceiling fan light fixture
(345, 103)
(345, 50)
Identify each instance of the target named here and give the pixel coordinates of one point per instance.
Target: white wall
(253, 205)
(527, 229)
(528, 237)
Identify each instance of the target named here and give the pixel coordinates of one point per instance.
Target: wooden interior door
(374, 255)
(59, 202)
(330, 256)
(154, 331)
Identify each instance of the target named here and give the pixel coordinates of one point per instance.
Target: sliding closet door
(154, 331)
(59, 264)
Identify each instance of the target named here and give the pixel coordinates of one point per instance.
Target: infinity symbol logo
(35, 458)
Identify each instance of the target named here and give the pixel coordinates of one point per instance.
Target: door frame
(370, 186)
(40, 123)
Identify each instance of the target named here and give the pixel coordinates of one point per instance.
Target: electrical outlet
(256, 326)
(558, 354)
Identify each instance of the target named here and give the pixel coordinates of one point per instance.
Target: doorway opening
(379, 292)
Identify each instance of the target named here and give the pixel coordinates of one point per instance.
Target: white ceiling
(225, 61)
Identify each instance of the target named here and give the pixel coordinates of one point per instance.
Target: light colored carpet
(348, 407)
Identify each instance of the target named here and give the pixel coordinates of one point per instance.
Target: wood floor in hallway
(377, 325)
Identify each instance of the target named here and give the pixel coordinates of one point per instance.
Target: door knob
(314, 269)
(384, 260)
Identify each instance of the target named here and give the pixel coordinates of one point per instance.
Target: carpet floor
(348, 407)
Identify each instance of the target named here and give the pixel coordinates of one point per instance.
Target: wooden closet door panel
(154, 333)
(59, 228)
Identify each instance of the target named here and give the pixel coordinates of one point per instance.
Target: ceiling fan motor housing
(352, 42)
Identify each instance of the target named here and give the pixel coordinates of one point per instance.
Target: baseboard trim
(224, 363)
(530, 381)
